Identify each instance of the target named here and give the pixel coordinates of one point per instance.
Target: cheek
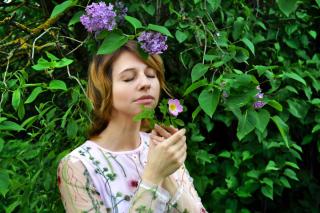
(119, 94)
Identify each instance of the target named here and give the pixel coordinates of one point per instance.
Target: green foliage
(242, 159)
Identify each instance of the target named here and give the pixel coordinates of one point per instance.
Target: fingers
(162, 132)
(171, 129)
(176, 137)
(156, 138)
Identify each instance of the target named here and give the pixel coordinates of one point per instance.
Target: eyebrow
(133, 69)
(127, 70)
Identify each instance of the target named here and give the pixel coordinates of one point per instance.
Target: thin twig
(34, 42)
(77, 80)
(10, 54)
(205, 40)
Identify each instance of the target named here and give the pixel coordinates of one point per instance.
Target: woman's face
(133, 84)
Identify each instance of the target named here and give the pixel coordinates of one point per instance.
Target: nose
(144, 83)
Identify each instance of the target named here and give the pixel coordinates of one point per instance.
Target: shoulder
(73, 158)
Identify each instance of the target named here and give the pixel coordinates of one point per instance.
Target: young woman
(121, 168)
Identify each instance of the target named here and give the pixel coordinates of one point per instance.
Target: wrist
(170, 185)
(151, 178)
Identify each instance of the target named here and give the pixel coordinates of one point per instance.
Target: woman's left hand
(160, 133)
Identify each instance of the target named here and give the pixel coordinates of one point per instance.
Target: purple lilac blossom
(258, 104)
(259, 96)
(98, 17)
(175, 107)
(121, 10)
(153, 42)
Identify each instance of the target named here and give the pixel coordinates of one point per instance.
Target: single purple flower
(98, 17)
(259, 95)
(258, 104)
(175, 107)
(153, 42)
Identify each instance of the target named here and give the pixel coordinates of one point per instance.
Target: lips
(145, 99)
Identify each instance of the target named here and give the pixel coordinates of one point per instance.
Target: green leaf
(160, 29)
(181, 36)
(298, 108)
(34, 94)
(271, 166)
(4, 182)
(318, 2)
(295, 77)
(316, 128)
(246, 123)
(263, 118)
(313, 33)
(287, 6)
(315, 101)
(64, 117)
(214, 4)
(208, 101)
(195, 86)
(275, 104)
(285, 182)
(9, 125)
(60, 8)
(249, 44)
(238, 27)
(1, 144)
(291, 174)
(198, 71)
(267, 191)
(203, 156)
(196, 112)
(42, 64)
(63, 62)
(242, 55)
(292, 164)
(57, 84)
(225, 154)
(133, 21)
(51, 56)
(75, 18)
(150, 9)
(112, 42)
(72, 128)
(283, 128)
(16, 99)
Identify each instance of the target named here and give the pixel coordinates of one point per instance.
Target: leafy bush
(244, 156)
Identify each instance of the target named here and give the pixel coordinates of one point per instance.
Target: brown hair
(99, 88)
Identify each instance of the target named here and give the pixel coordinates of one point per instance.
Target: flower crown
(102, 20)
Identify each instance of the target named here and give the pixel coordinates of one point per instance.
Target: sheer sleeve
(186, 198)
(150, 198)
(78, 194)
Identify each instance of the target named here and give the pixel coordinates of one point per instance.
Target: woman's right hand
(166, 157)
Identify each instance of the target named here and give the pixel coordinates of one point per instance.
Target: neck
(121, 134)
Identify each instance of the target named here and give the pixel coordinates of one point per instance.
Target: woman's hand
(167, 152)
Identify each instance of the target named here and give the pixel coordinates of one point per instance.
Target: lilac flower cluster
(98, 17)
(259, 96)
(153, 42)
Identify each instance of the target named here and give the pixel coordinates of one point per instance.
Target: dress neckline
(139, 148)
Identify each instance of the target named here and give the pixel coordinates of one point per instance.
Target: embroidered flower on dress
(133, 184)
